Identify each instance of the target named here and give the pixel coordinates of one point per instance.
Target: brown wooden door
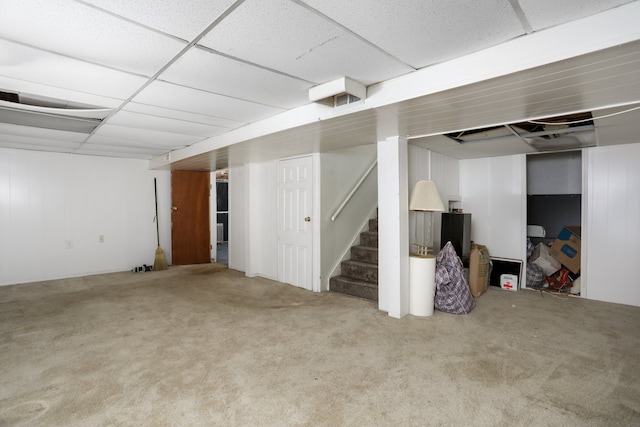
(190, 234)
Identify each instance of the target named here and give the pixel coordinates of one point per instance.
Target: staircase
(360, 274)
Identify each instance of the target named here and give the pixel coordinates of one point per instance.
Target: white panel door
(295, 236)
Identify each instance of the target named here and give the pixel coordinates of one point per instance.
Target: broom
(160, 262)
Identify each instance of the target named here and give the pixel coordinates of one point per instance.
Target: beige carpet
(205, 346)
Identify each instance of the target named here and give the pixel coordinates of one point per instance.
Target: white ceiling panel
(244, 86)
(30, 64)
(20, 86)
(547, 13)
(129, 152)
(163, 124)
(284, 36)
(183, 19)
(182, 98)
(620, 127)
(40, 133)
(501, 147)
(36, 143)
(204, 70)
(422, 33)
(152, 137)
(85, 33)
(217, 122)
(439, 142)
(119, 144)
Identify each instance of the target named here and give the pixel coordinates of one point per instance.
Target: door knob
(174, 208)
(308, 219)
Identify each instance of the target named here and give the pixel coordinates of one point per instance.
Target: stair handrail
(353, 191)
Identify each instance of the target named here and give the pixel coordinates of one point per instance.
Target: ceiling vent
(342, 91)
(345, 99)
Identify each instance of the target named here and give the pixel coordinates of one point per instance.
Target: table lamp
(425, 199)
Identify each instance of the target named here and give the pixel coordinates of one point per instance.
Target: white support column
(393, 227)
(237, 218)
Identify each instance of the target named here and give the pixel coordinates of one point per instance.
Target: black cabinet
(456, 228)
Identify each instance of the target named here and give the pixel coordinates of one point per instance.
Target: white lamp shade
(426, 197)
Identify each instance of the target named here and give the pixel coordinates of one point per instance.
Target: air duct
(344, 85)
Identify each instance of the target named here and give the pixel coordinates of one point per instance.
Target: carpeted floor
(205, 346)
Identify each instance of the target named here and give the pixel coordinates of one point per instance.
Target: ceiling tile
(176, 97)
(40, 133)
(21, 86)
(28, 64)
(33, 143)
(152, 137)
(129, 152)
(202, 69)
(284, 36)
(542, 14)
(109, 141)
(422, 33)
(184, 19)
(621, 127)
(86, 33)
(163, 124)
(224, 124)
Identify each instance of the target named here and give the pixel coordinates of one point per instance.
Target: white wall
(493, 190)
(238, 217)
(554, 173)
(611, 248)
(54, 207)
(340, 171)
(262, 236)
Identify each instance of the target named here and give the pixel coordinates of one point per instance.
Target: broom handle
(155, 189)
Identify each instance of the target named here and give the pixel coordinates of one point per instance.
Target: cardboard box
(479, 263)
(566, 248)
(542, 257)
(509, 282)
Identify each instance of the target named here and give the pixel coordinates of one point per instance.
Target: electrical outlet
(101, 238)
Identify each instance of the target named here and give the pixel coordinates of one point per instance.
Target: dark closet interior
(222, 208)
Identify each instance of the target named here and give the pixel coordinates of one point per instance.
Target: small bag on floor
(452, 291)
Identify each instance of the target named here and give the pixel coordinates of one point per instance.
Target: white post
(393, 227)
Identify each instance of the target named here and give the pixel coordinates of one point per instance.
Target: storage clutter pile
(556, 267)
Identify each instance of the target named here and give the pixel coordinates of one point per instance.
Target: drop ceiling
(203, 84)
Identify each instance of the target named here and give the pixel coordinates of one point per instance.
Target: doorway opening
(190, 217)
(222, 217)
(554, 205)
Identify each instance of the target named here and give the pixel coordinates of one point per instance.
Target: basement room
(323, 213)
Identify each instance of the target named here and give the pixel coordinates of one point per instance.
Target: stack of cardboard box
(561, 261)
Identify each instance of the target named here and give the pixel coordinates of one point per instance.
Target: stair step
(365, 271)
(373, 224)
(353, 287)
(364, 253)
(369, 238)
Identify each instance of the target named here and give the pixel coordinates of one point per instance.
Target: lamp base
(423, 250)
(422, 273)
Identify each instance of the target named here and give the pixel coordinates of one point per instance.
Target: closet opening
(554, 216)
